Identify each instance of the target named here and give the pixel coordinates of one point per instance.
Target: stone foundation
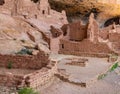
(78, 62)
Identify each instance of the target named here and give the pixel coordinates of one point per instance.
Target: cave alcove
(2, 2)
(110, 21)
(35, 1)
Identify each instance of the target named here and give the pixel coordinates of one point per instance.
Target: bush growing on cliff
(9, 66)
(25, 51)
(27, 90)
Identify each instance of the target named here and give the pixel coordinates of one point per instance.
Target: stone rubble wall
(79, 62)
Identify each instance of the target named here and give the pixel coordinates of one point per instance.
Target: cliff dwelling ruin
(42, 50)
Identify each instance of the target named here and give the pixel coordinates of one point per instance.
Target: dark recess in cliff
(2, 2)
(75, 10)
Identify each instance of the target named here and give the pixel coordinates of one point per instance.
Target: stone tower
(93, 29)
(44, 7)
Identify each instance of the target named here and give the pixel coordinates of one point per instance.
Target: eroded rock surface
(14, 35)
(77, 9)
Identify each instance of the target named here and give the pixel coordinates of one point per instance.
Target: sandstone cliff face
(82, 8)
(16, 34)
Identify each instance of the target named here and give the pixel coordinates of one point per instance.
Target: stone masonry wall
(25, 61)
(114, 37)
(41, 77)
(84, 48)
(78, 31)
(35, 80)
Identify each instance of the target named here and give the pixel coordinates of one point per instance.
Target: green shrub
(25, 51)
(114, 67)
(101, 76)
(9, 66)
(27, 91)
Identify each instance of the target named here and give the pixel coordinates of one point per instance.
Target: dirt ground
(16, 71)
(108, 85)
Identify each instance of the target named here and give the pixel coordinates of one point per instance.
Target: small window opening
(62, 46)
(56, 34)
(43, 12)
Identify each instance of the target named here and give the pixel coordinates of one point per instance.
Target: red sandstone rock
(35, 52)
(55, 32)
(43, 48)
